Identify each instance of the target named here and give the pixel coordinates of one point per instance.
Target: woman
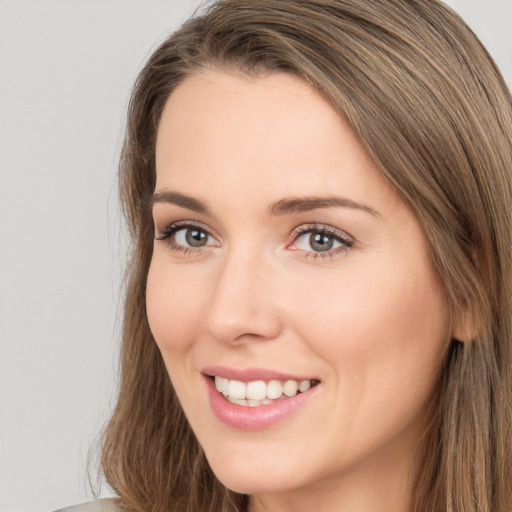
(318, 308)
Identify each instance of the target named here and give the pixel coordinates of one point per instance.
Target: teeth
(304, 385)
(259, 392)
(256, 390)
(237, 389)
(290, 388)
(237, 401)
(222, 385)
(274, 389)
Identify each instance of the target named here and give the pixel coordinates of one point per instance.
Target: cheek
(383, 335)
(173, 304)
(384, 328)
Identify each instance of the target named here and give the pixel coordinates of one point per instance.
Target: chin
(251, 482)
(245, 475)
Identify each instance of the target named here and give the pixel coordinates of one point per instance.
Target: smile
(259, 392)
(256, 399)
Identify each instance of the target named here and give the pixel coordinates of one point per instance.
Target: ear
(467, 326)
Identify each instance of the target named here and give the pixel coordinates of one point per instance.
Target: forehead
(264, 137)
(235, 108)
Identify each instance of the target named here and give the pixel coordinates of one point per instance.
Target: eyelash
(336, 235)
(168, 234)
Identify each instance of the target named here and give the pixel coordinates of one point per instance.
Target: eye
(186, 237)
(192, 237)
(320, 240)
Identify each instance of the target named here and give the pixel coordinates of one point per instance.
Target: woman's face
(284, 262)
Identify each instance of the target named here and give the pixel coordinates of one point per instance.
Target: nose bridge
(241, 305)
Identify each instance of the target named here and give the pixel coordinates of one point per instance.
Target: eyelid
(166, 235)
(172, 227)
(322, 228)
(346, 240)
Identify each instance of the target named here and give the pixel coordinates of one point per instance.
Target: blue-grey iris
(321, 242)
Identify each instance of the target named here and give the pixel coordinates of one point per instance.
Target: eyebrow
(305, 204)
(180, 200)
(285, 206)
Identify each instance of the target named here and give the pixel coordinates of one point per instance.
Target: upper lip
(251, 374)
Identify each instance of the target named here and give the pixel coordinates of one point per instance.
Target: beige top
(103, 505)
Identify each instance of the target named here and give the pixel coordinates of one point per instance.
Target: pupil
(320, 242)
(196, 237)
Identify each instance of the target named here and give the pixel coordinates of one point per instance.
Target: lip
(254, 418)
(250, 374)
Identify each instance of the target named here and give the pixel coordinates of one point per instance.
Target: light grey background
(66, 70)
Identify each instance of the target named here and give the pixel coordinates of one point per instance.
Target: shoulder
(103, 505)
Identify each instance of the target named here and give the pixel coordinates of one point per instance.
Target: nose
(243, 304)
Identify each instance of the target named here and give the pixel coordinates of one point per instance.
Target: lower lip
(254, 418)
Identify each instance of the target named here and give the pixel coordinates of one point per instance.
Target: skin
(368, 319)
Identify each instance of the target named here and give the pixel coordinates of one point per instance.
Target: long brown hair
(431, 108)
